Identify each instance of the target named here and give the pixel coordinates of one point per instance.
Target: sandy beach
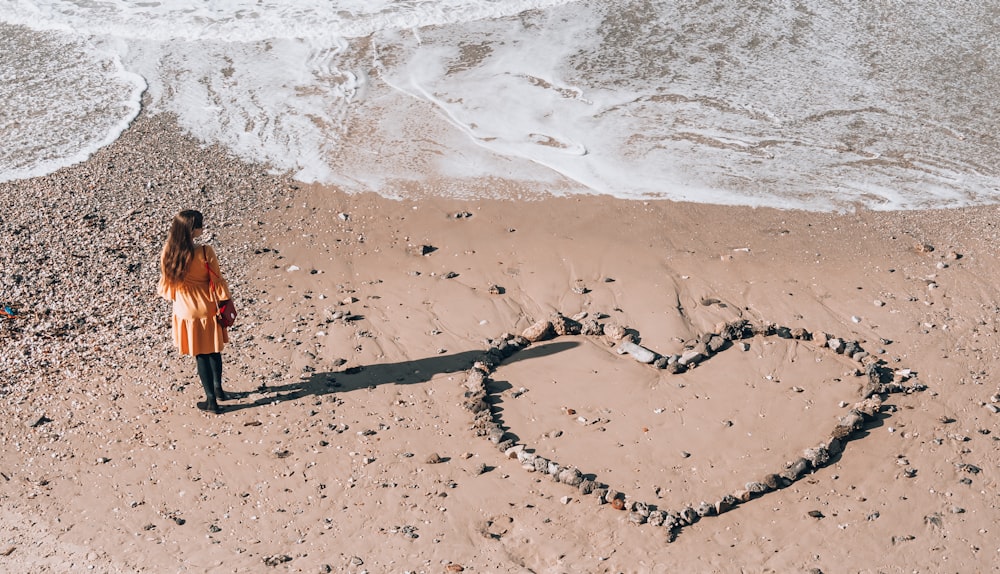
(352, 446)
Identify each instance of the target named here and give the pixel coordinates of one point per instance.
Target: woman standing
(191, 278)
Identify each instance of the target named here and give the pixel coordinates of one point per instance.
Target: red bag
(226, 314)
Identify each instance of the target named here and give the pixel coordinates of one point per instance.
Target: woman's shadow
(371, 376)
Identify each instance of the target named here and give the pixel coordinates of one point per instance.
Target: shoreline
(351, 350)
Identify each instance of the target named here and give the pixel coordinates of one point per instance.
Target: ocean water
(795, 104)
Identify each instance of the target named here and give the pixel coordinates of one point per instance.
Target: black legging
(210, 373)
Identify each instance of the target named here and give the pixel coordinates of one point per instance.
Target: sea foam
(824, 107)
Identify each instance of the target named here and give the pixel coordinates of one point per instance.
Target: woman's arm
(222, 291)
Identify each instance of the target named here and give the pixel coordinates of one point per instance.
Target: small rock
(691, 357)
(934, 520)
(35, 422)
(656, 518)
(615, 332)
(540, 331)
(727, 503)
(639, 353)
(796, 469)
(903, 538)
(419, 250)
(514, 451)
(433, 458)
(570, 476)
(969, 468)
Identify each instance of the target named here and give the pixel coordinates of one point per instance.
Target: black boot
(210, 406)
(215, 362)
(205, 374)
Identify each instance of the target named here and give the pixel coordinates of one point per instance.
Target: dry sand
(351, 352)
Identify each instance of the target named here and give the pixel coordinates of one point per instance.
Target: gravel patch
(80, 250)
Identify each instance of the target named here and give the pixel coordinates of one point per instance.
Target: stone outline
(882, 380)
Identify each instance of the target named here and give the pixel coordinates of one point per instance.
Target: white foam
(252, 20)
(831, 106)
(64, 98)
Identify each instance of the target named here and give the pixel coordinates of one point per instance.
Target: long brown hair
(179, 248)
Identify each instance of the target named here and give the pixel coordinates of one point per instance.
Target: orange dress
(196, 331)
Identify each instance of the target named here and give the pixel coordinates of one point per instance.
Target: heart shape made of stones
(482, 401)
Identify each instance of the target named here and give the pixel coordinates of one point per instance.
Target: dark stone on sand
(716, 343)
(419, 250)
(689, 516)
(676, 368)
(727, 503)
(636, 518)
(795, 470)
(601, 494)
(277, 559)
(563, 325)
(705, 509)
